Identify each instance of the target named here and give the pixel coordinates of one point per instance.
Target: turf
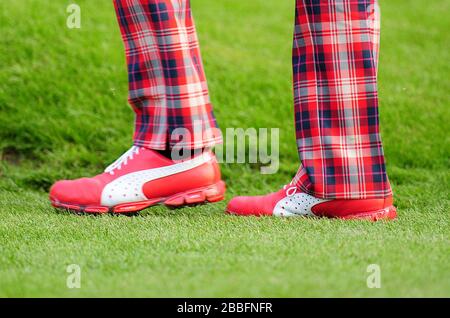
(63, 114)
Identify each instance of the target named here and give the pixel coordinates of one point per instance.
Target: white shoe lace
(123, 160)
(291, 189)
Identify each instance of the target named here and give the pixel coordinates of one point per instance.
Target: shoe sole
(209, 194)
(389, 213)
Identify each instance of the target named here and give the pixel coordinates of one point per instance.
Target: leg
(336, 115)
(336, 103)
(167, 83)
(168, 92)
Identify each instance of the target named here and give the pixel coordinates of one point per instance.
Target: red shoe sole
(389, 213)
(208, 194)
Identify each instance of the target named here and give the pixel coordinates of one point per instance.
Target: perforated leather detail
(128, 188)
(297, 204)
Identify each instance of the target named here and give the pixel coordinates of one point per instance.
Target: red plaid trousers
(335, 56)
(167, 83)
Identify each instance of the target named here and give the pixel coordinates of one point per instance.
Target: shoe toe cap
(83, 191)
(236, 205)
(257, 206)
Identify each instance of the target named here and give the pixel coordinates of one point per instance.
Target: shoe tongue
(123, 159)
(144, 160)
(177, 157)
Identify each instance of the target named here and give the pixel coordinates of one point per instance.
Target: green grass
(57, 86)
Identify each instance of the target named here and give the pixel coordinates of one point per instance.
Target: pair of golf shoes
(142, 178)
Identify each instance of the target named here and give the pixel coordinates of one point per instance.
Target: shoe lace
(290, 189)
(122, 160)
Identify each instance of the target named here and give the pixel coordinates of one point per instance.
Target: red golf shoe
(289, 201)
(141, 178)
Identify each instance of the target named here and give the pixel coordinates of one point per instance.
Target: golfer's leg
(167, 84)
(336, 103)
(336, 115)
(168, 91)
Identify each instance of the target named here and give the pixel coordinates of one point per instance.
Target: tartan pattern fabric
(167, 84)
(335, 56)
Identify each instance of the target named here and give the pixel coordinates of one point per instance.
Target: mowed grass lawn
(63, 114)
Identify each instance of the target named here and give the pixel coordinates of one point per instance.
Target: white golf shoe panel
(299, 204)
(128, 188)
